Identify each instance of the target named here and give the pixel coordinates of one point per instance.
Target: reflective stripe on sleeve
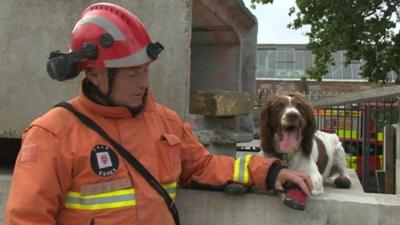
(107, 200)
(241, 170)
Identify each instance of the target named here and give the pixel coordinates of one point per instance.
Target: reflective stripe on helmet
(241, 170)
(120, 37)
(108, 200)
(107, 25)
(135, 59)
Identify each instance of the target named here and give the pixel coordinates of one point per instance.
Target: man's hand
(302, 180)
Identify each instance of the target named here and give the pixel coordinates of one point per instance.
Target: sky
(272, 23)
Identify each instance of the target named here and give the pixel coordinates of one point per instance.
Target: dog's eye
(279, 105)
(277, 108)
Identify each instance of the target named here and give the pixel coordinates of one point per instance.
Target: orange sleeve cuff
(259, 167)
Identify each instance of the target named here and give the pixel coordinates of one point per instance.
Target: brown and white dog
(288, 131)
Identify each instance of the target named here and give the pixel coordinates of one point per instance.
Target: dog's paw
(343, 182)
(318, 187)
(317, 190)
(235, 189)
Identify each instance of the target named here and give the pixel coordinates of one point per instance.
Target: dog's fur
(288, 128)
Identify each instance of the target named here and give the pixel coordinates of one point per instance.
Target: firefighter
(66, 173)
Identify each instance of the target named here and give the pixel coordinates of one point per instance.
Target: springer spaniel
(288, 131)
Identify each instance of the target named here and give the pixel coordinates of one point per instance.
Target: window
(271, 59)
(261, 65)
(291, 61)
(337, 69)
(299, 63)
(290, 53)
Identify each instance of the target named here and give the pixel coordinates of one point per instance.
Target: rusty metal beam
(361, 96)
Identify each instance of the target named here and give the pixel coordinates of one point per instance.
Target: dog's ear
(310, 126)
(265, 126)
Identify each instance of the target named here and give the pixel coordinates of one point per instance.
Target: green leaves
(253, 2)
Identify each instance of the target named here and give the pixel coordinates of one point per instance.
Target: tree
(364, 29)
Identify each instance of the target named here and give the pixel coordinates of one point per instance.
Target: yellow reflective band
(108, 200)
(241, 170)
(100, 195)
(171, 189)
(100, 206)
(170, 185)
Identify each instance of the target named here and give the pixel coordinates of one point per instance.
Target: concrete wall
(335, 206)
(5, 180)
(223, 57)
(29, 30)
(397, 126)
(339, 208)
(215, 67)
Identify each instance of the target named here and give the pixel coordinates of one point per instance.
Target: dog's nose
(291, 119)
(292, 116)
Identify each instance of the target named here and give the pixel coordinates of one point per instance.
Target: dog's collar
(286, 157)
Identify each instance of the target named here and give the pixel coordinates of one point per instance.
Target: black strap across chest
(128, 157)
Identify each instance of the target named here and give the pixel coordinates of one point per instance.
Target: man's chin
(135, 105)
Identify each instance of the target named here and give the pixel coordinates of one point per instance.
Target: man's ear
(93, 76)
(97, 77)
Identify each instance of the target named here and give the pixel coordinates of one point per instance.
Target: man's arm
(39, 180)
(200, 166)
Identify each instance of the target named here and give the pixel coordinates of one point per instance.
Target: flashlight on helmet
(63, 66)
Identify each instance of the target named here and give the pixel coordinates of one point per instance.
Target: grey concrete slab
(5, 179)
(29, 30)
(397, 126)
(216, 208)
(335, 206)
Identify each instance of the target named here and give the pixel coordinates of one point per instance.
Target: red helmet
(119, 36)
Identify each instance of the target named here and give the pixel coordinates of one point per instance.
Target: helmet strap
(93, 92)
(111, 73)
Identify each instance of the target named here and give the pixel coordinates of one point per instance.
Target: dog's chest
(287, 158)
(299, 161)
(323, 157)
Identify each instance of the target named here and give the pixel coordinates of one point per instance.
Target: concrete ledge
(216, 208)
(220, 103)
(5, 179)
(335, 206)
(222, 137)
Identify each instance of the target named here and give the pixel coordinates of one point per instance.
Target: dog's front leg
(305, 164)
(318, 187)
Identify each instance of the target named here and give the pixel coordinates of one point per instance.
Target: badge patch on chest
(104, 161)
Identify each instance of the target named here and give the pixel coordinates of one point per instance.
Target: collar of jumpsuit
(115, 111)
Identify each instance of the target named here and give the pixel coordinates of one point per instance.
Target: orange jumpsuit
(66, 174)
